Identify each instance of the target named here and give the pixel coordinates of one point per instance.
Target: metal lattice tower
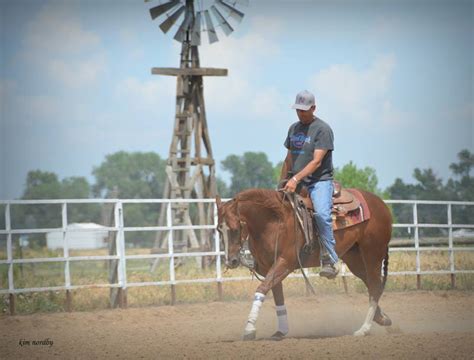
(190, 166)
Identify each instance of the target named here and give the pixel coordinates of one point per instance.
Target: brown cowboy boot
(328, 270)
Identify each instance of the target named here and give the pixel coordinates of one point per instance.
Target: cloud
(269, 103)
(24, 110)
(56, 42)
(362, 94)
(130, 41)
(147, 94)
(7, 88)
(76, 74)
(57, 30)
(245, 57)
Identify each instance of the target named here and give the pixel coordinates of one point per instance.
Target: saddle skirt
(349, 207)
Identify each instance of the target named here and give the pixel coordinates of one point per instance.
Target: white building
(79, 236)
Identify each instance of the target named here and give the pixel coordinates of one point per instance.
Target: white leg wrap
(252, 319)
(366, 326)
(282, 319)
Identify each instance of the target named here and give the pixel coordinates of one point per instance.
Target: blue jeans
(321, 196)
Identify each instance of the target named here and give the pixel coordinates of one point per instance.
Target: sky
(393, 78)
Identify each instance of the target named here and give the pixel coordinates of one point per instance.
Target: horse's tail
(385, 270)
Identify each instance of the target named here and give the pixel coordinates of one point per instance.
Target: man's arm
(318, 157)
(287, 164)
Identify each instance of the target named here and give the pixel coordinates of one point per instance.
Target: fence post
(11, 287)
(451, 252)
(169, 224)
(109, 219)
(67, 274)
(417, 246)
(218, 256)
(120, 244)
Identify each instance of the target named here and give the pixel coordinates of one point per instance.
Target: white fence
(121, 253)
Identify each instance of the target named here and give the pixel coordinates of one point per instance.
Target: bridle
(244, 237)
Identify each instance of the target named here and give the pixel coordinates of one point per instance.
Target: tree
(462, 187)
(77, 187)
(222, 188)
(45, 185)
(465, 165)
(463, 184)
(277, 172)
(39, 185)
(251, 170)
(136, 175)
(352, 177)
(427, 187)
(42, 185)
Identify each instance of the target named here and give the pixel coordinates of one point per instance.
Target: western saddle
(343, 203)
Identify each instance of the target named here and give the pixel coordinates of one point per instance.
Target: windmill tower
(190, 166)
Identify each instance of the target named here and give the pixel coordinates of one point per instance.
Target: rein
(292, 199)
(250, 264)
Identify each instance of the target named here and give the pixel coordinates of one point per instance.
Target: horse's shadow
(317, 336)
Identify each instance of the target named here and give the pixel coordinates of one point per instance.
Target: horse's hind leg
(356, 264)
(281, 313)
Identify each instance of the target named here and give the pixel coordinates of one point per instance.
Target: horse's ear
(218, 201)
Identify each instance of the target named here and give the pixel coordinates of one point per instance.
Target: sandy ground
(425, 326)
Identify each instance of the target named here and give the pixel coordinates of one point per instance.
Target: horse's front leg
(275, 275)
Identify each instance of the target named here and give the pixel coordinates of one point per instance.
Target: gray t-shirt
(302, 140)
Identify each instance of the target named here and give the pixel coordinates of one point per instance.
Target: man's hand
(291, 185)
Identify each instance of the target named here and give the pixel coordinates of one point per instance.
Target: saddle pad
(357, 216)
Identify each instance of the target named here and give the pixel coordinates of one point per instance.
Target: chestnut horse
(264, 219)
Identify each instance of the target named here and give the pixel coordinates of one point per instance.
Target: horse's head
(232, 229)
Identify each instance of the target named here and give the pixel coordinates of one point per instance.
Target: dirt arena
(426, 325)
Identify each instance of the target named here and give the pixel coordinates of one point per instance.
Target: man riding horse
(265, 221)
(310, 143)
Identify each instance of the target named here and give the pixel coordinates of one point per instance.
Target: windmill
(190, 166)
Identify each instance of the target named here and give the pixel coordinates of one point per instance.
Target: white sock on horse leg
(256, 305)
(367, 325)
(282, 319)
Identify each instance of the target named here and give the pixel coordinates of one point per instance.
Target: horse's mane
(269, 199)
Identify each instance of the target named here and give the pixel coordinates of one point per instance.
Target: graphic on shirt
(298, 140)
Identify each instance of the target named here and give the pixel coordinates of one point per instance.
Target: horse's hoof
(277, 336)
(383, 320)
(251, 335)
(362, 332)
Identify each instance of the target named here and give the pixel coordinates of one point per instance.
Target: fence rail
(121, 257)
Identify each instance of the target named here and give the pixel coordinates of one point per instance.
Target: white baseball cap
(304, 100)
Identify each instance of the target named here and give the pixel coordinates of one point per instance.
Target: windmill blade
(211, 31)
(161, 9)
(168, 23)
(233, 12)
(196, 32)
(241, 2)
(181, 33)
(222, 21)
